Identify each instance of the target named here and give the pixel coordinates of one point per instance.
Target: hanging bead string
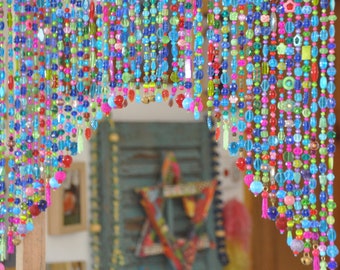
(263, 166)
(33, 190)
(233, 99)
(198, 57)
(332, 250)
(321, 149)
(210, 71)
(313, 92)
(272, 122)
(302, 101)
(185, 43)
(246, 162)
(279, 139)
(326, 176)
(181, 55)
(146, 48)
(138, 35)
(240, 121)
(216, 68)
(252, 178)
(163, 61)
(125, 51)
(188, 54)
(224, 77)
(2, 133)
(288, 82)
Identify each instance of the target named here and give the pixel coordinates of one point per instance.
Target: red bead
(131, 95)
(210, 52)
(241, 164)
(34, 210)
(10, 83)
(281, 223)
(174, 8)
(67, 161)
(179, 100)
(88, 133)
(165, 94)
(119, 101)
(314, 72)
(273, 187)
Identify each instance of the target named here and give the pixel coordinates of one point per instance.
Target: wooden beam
(30, 254)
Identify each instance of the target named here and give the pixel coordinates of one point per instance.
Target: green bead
(331, 205)
(330, 220)
(297, 110)
(331, 134)
(305, 202)
(322, 180)
(288, 156)
(288, 83)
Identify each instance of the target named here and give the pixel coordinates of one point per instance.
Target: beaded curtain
(269, 67)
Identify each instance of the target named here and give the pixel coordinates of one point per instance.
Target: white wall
(76, 246)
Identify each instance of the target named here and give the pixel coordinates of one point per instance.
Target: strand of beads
(210, 72)
(188, 102)
(321, 146)
(198, 58)
(163, 62)
(242, 162)
(300, 160)
(310, 152)
(2, 135)
(33, 187)
(233, 99)
(183, 99)
(272, 139)
(146, 49)
(251, 178)
(224, 76)
(240, 124)
(216, 68)
(332, 250)
(326, 150)
(262, 157)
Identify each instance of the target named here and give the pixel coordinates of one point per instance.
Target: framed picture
(66, 266)
(67, 212)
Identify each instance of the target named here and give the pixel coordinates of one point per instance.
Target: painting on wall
(67, 213)
(66, 266)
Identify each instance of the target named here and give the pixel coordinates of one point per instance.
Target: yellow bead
(306, 52)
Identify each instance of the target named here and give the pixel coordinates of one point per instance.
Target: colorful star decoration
(181, 252)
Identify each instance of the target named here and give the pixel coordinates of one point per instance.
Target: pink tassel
(48, 194)
(316, 260)
(265, 204)
(10, 245)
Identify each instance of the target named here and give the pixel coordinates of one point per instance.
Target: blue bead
(323, 197)
(289, 213)
(272, 213)
(332, 251)
(305, 212)
(333, 264)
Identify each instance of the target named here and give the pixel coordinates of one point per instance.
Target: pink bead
(234, 129)
(241, 63)
(289, 200)
(248, 179)
(105, 108)
(264, 99)
(29, 191)
(297, 151)
(60, 176)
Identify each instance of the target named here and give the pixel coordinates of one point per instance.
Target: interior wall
(76, 246)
